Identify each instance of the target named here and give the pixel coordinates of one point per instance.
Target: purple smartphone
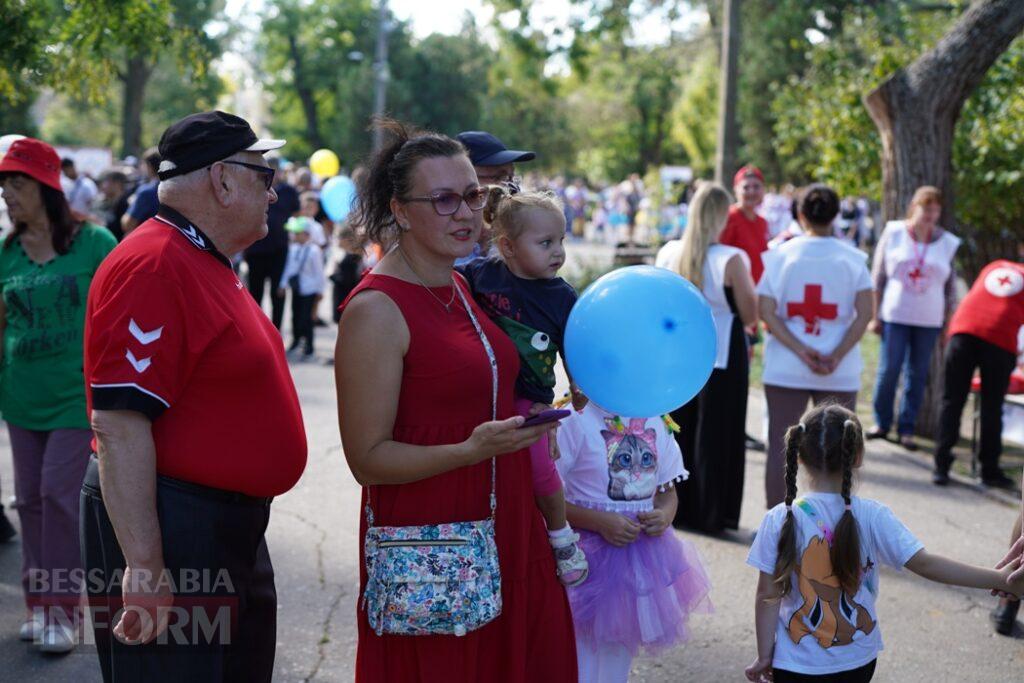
(546, 416)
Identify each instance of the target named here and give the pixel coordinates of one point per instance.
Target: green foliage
(695, 116)
(77, 47)
(443, 83)
(171, 95)
(988, 148)
(780, 41)
(823, 131)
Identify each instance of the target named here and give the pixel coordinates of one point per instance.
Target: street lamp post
(728, 129)
(382, 74)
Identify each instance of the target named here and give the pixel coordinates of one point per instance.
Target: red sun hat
(747, 171)
(34, 158)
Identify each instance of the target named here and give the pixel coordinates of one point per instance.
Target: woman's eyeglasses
(266, 172)
(447, 203)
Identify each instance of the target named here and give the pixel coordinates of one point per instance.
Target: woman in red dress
(414, 407)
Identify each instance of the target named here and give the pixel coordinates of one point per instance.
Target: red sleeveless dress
(445, 394)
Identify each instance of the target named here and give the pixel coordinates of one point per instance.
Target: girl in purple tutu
(619, 475)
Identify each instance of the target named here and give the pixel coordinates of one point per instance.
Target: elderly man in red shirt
(197, 424)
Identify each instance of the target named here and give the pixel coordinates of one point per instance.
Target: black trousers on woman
(223, 623)
(712, 439)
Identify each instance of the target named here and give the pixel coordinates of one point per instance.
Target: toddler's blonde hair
(507, 213)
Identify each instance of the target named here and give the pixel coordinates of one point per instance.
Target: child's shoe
(571, 561)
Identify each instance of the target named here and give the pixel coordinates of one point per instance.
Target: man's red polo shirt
(171, 332)
(749, 235)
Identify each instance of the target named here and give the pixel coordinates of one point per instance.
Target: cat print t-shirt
(616, 463)
(822, 629)
(533, 313)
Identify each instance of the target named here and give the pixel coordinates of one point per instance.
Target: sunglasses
(266, 172)
(447, 203)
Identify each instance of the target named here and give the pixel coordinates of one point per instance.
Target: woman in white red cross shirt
(815, 298)
(914, 296)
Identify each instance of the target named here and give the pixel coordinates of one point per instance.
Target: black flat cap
(199, 140)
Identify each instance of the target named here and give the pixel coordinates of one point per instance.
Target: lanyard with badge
(920, 249)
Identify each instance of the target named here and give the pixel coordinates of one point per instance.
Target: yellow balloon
(324, 163)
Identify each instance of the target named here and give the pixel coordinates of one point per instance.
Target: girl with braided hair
(818, 554)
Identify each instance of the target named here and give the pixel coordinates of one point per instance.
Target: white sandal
(571, 560)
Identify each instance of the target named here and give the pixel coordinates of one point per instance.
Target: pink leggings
(545, 477)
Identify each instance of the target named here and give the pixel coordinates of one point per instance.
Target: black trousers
(712, 439)
(266, 266)
(223, 625)
(964, 354)
(859, 675)
(302, 320)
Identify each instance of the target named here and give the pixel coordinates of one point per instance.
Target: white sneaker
(57, 639)
(32, 628)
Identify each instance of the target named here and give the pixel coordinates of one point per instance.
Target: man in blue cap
(494, 164)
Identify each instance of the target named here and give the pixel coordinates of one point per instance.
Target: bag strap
(494, 398)
(494, 383)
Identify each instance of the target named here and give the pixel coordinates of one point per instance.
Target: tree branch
(959, 61)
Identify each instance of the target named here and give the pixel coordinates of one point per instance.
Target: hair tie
(849, 423)
(849, 507)
(802, 427)
(789, 507)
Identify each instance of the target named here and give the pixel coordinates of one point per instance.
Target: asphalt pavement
(931, 632)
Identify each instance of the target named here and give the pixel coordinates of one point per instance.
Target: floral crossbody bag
(436, 578)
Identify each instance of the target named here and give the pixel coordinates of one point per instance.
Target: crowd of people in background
(789, 268)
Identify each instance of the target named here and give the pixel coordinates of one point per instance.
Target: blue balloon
(337, 196)
(641, 342)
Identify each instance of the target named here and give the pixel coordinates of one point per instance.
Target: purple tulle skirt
(639, 596)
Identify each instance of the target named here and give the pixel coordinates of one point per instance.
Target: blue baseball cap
(487, 150)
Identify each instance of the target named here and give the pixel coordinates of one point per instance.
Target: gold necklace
(447, 306)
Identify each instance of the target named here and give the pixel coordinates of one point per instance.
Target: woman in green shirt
(46, 265)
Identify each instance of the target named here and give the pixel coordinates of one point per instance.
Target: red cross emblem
(915, 275)
(813, 310)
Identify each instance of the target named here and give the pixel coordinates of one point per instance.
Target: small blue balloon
(337, 196)
(640, 341)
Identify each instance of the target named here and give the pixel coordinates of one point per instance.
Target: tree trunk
(134, 80)
(916, 109)
(305, 94)
(728, 127)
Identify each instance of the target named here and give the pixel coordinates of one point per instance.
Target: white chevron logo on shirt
(144, 338)
(139, 365)
(193, 235)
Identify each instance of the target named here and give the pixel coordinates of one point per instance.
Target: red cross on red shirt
(813, 310)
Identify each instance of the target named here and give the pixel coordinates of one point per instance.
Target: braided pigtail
(846, 544)
(785, 562)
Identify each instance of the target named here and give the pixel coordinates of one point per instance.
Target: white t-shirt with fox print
(821, 629)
